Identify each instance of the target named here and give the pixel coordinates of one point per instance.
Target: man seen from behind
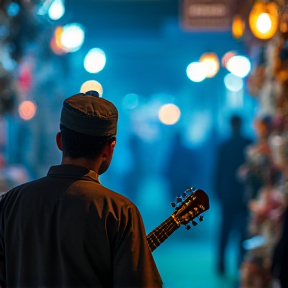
(66, 229)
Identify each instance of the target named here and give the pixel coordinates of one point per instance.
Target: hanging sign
(207, 15)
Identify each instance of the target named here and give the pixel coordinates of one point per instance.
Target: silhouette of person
(229, 190)
(178, 169)
(132, 178)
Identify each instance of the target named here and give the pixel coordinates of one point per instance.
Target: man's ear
(58, 140)
(108, 150)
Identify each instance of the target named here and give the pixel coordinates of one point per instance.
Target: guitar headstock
(190, 205)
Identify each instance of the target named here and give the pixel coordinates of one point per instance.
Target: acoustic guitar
(190, 205)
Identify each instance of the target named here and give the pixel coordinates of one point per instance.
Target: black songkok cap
(89, 114)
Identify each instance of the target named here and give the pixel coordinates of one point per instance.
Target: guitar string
(152, 235)
(163, 235)
(159, 239)
(160, 227)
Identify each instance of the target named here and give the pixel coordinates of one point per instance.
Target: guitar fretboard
(161, 233)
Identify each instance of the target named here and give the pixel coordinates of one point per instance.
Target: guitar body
(191, 205)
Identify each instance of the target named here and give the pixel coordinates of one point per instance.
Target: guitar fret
(161, 233)
(156, 238)
(175, 220)
(152, 242)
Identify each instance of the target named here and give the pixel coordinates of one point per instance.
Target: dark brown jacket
(67, 230)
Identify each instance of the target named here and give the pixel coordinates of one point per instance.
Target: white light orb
(27, 110)
(95, 60)
(56, 10)
(92, 85)
(196, 72)
(233, 83)
(264, 23)
(239, 66)
(72, 37)
(169, 114)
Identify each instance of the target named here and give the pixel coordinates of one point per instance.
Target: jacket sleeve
(133, 263)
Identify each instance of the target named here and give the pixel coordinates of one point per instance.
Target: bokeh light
(211, 64)
(73, 37)
(27, 110)
(264, 23)
(130, 101)
(233, 83)
(56, 10)
(56, 44)
(238, 27)
(196, 128)
(226, 58)
(239, 66)
(169, 114)
(196, 72)
(95, 60)
(92, 85)
(264, 19)
(55, 48)
(13, 9)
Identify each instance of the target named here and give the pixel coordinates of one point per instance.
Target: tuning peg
(173, 204)
(178, 199)
(188, 227)
(194, 223)
(201, 218)
(184, 194)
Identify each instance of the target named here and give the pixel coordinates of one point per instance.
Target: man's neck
(84, 162)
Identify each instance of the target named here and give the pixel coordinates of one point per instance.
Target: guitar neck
(161, 233)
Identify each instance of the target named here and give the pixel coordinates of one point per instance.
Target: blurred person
(229, 191)
(179, 171)
(68, 230)
(133, 176)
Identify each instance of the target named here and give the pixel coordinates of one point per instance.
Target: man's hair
(77, 145)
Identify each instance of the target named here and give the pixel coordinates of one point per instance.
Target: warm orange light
(238, 27)
(55, 48)
(211, 64)
(263, 20)
(283, 26)
(27, 110)
(55, 43)
(57, 36)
